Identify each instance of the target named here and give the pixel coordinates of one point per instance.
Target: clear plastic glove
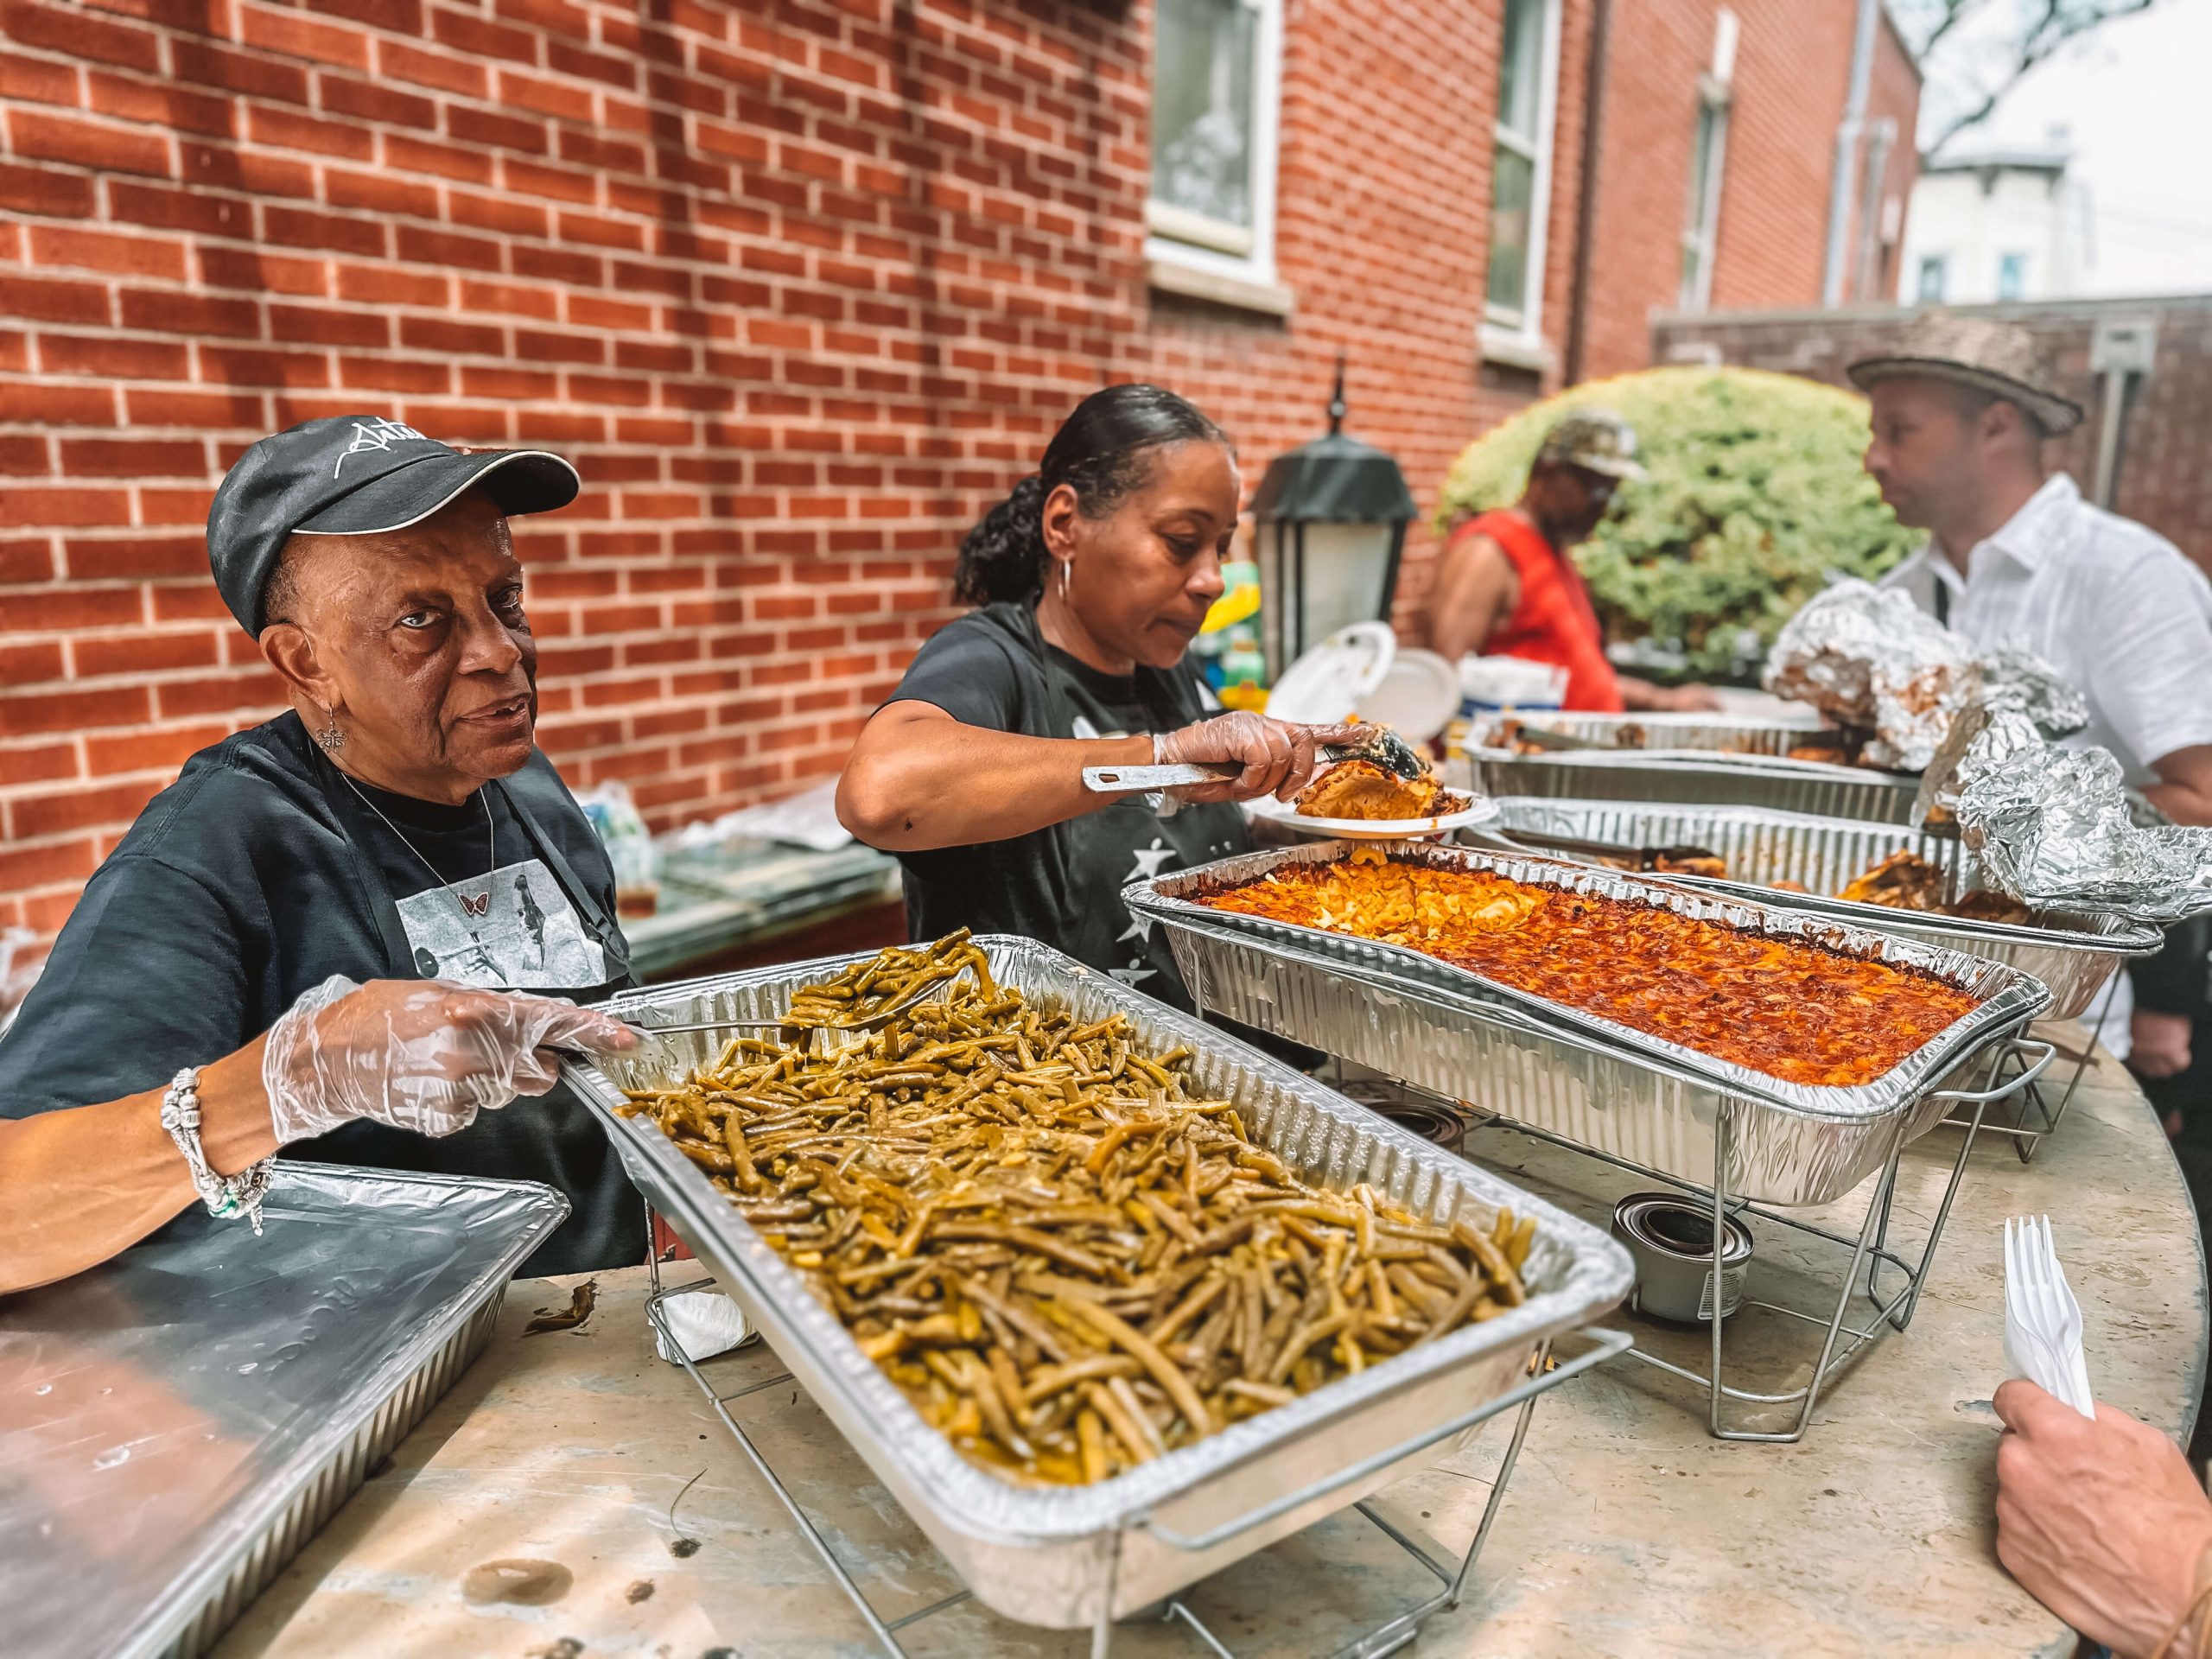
(1277, 758)
(418, 1054)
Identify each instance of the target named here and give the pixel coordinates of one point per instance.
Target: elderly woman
(205, 1002)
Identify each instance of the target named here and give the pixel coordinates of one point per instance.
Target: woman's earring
(332, 737)
(1066, 565)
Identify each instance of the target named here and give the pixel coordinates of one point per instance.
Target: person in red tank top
(1506, 587)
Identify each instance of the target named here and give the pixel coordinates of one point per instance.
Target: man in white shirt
(1961, 408)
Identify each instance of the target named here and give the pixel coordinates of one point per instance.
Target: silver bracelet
(224, 1195)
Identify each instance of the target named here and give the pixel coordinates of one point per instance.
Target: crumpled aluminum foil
(2024, 678)
(1989, 731)
(1868, 657)
(2052, 828)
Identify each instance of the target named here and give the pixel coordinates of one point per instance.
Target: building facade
(802, 286)
(1996, 227)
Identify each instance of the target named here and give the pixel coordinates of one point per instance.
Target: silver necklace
(471, 910)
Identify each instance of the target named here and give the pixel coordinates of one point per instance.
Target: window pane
(1693, 260)
(2011, 275)
(1509, 233)
(1519, 88)
(1931, 278)
(1202, 107)
(1702, 148)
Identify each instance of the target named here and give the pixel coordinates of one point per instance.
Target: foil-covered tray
(2072, 952)
(1053, 1557)
(1813, 787)
(1593, 1081)
(180, 1420)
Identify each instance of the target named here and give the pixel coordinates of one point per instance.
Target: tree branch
(2051, 29)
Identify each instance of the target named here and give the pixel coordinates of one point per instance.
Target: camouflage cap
(1998, 359)
(1596, 440)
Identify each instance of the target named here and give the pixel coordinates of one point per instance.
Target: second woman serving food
(1090, 580)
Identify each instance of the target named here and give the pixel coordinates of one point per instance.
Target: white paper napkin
(706, 1322)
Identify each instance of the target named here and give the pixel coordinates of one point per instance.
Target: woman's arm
(919, 779)
(1476, 592)
(77, 1186)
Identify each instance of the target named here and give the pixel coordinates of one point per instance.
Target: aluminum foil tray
(2072, 952)
(181, 1419)
(1663, 733)
(1598, 1083)
(1757, 774)
(1053, 1557)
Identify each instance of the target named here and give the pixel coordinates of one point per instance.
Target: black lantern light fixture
(1329, 525)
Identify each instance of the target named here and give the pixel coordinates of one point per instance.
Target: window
(1708, 149)
(1216, 65)
(1520, 170)
(2011, 274)
(1931, 279)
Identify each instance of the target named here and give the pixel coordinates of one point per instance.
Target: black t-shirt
(1062, 883)
(259, 875)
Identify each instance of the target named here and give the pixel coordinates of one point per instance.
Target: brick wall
(1790, 78)
(2162, 481)
(800, 284)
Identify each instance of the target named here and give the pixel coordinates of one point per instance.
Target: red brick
(397, 60)
(231, 367)
(329, 324)
(135, 256)
(72, 30)
(260, 272)
(32, 713)
(472, 126)
(378, 192)
(297, 227)
(198, 410)
(47, 138)
(164, 752)
(290, 129)
(367, 102)
(133, 457)
(80, 808)
(207, 63)
(218, 693)
(58, 403)
(175, 209)
(111, 558)
(128, 100)
(35, 762)
(49, 864)
(435, 334)
(41, 190)
(378, 374)
(253, 171)
(38, 79)
(476, 37)
(146, 652)
(29, 664)
(128, 360)
(449, 248)
(447, 161)
(159, 311)
(296, 36)
(52, 300)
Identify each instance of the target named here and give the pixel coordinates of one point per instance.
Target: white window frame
(1231, 256)
(1504, 339)
(1703, 235)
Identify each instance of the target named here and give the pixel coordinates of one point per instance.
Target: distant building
(1990, 226)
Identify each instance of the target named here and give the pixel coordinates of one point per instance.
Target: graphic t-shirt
(511, 926)
(256, 876)
(1062, 883)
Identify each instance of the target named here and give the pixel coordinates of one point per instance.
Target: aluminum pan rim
(2005, 996)
(1596, 1278)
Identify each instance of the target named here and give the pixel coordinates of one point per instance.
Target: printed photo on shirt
(513, 927)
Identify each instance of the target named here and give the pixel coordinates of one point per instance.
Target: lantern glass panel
(1346, 567)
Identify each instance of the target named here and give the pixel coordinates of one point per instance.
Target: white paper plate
(1481, 811)
(1417, 697)
(1328, 682)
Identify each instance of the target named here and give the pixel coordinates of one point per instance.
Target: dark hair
(1103, 451)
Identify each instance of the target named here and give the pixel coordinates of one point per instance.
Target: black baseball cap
(355, 475)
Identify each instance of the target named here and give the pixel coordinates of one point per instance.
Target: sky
(2135, 98)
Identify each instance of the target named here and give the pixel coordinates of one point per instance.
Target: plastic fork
(2042, 1320)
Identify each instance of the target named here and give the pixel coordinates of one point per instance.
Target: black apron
(554, 1138)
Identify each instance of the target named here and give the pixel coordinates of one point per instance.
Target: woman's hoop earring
(332, 737)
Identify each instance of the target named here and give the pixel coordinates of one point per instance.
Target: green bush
(1756, 494)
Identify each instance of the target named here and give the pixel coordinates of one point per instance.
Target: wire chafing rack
(1451, 1575)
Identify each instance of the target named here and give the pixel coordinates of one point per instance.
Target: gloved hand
(1277, 758)
(418, 1054)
